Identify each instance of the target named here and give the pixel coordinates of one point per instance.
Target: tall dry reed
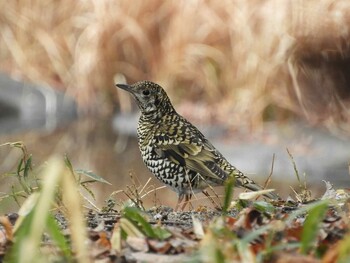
(246, 61)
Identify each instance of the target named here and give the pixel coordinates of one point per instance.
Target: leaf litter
(282, 231)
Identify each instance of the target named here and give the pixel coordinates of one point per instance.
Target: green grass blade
(133, 214)
(27, 167)
(92, 175)
(68, 163)
(14, 254)
(58, 237)
(264, 207)
(161, 233)
(312, 225)
(19, 166)
(229, 184)
(344, 250)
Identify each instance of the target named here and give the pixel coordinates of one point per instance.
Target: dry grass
(250, 60)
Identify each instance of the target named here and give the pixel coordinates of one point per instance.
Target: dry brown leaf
(161, 247)
(137, 243)
(4, 220)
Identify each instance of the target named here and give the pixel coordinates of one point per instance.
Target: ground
(279, 231)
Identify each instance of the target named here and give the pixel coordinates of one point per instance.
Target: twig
(295, 167)
(268, 180)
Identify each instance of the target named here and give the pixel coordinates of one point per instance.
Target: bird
(175, 151)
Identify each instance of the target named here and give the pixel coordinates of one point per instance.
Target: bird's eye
(145, 92)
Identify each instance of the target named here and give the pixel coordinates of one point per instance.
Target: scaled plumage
(175, 151)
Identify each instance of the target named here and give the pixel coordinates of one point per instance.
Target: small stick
(268, 181)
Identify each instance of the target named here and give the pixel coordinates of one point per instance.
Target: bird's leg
(188, 196)
(179, 201)
(187, 200)
(216, 205)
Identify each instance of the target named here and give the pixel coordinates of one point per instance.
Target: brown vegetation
(250, 60)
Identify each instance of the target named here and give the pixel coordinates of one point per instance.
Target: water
(90, 145)
(97, 145)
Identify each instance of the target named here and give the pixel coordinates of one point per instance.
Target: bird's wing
(189, 148)
(192, 151)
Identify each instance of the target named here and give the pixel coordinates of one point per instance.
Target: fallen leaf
(161, 247)
(137, 243)
(197, 227)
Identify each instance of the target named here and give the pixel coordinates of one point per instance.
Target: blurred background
(256, 77)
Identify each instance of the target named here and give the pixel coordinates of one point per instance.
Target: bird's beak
(124, 87)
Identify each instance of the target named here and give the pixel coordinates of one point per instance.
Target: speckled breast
(168, 172)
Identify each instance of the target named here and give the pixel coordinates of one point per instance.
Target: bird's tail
(245, 182)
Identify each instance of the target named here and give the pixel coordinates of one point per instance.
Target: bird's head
(150, 97)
